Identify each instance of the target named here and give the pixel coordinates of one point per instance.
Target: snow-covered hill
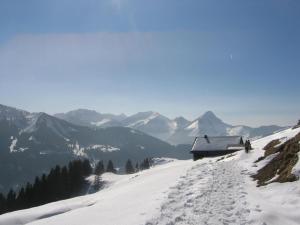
(210, 191)
(175, 131)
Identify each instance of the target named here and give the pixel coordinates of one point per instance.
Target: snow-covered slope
(181, 122)
(208, 124)
(213, 191)
(128, 200)
(151, 123)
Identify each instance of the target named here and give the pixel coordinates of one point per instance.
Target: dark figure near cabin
(247, 146)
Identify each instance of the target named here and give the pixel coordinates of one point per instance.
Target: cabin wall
(201, 154)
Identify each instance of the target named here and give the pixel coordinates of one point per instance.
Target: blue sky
(239, 58)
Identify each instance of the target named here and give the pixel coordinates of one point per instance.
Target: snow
(296, 169)
(52, 123)
(239, 131)
(101, 122)
(284, 135)
(133, 131)
(144, 121)
(22, 149)
(216, 143)
(210, 193)
(127, 201)
(153, 124)
(141, 147)
(213, 191)
(103, 148)
(264, 162)
(279, 203)
(13, 145)
(81, 151)
(237, 148)
(32, 120)
(161, 161)
(77, 150)
(193, 128)
(32, 138)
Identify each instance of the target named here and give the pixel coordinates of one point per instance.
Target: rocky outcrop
(279, 169)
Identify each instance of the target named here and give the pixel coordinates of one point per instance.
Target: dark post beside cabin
(215, 146)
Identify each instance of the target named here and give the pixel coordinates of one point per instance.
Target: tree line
(63, 183)
(129, 168)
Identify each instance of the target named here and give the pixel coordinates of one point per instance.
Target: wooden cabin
(209, 146)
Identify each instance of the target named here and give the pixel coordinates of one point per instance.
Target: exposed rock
(279, 169)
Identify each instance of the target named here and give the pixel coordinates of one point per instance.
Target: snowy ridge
(175, 131)
(143, 121)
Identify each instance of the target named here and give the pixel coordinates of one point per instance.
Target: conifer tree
(97, 183)
(21, 198)
(128, 167)
(60, 183)
(86, 167)
(11, 200)
(66, 183)
(137, 168)
(2, 204)
(110, 167)
(146, 164)
(99, 168)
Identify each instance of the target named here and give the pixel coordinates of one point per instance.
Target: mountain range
(174, 131)
(32, 143)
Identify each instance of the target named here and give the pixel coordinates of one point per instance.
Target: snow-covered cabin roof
(222, 143)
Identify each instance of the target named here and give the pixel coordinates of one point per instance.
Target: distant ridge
(175, 131)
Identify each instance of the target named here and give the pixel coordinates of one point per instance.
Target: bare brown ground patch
(282, 164)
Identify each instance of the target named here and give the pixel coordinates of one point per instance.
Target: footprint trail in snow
(210, 193)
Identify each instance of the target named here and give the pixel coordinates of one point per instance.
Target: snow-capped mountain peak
(151, 123)
(181, 122)
(207, 124)
(176, 131)
(39, 121)
(211, 118)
